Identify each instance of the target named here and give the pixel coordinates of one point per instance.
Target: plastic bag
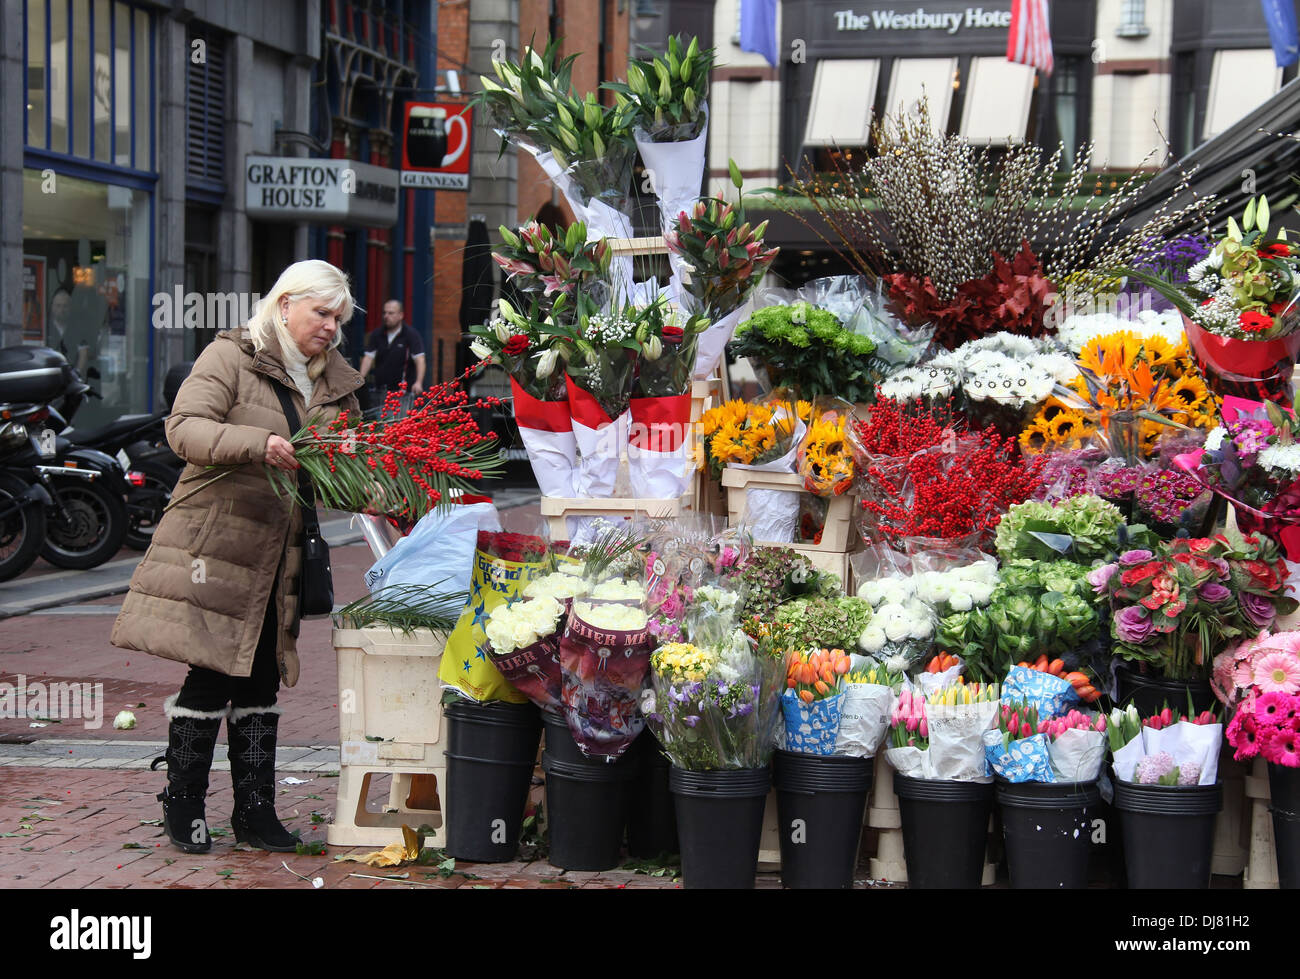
(439, 548)
(824, 458)
(864, 718)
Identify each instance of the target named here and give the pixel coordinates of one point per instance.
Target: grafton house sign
(297, 188)
(950, 22)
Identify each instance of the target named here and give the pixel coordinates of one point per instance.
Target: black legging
(208, 690)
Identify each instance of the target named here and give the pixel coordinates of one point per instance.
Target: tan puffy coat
(201, 592)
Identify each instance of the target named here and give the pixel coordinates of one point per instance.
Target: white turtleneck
(296, 365)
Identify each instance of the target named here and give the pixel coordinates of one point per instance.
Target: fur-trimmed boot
(252, 734)
(191, 740)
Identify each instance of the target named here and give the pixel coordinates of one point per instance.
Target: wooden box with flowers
(772, 459)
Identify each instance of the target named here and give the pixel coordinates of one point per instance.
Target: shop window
(86, 257)
(1240, 81)
(914, 79)
(88, 81)
(1066, 123)
(843, 94)
(998, 93)
(1184, 99)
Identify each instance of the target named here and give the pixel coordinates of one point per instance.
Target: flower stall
(1001, 556)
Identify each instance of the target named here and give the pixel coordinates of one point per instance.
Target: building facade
(174, 158)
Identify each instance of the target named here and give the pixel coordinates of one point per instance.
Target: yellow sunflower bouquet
(1130, 391)
(824, 460)
(749, 434)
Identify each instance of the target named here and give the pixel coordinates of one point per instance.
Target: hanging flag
(758, 28)
(1029, 42)
(1282, 31)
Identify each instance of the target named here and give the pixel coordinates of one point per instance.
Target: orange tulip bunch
(816, 674)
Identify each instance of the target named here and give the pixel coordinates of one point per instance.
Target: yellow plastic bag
(465, 662)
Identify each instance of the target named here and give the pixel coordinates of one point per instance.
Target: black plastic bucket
(586, 800)
(945, 830)
(1047, 828)
(652, 817)
(586, 807)
(720, 824)
(1168, 833)
(820, 802)
(1150, 692)
(1284, 792)
(491, 753)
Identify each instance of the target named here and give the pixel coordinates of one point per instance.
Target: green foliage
(668, 92)
(806, 348)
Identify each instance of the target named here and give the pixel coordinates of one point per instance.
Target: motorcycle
(85, 490)
(139, 444)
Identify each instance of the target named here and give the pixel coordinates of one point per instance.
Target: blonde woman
(218, 588)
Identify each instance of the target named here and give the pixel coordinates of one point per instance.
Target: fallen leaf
(134, 846)
(392, 855)
(151, 822)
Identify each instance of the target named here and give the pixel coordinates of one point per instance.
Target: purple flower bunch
(1159, 769)
(1167, 495)
(1119, 483)
(1067, 474)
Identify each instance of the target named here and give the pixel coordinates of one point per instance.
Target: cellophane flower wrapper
(827, 467)
(956, 749)
(677, 165)
(1077, 755)
(597, 191)
(1188, 743)
(1052, 696)
(465, 663)
(1024, 760)
(534, 671)
(864, 719)
(604, 671)
(726, 720)
(811, 729)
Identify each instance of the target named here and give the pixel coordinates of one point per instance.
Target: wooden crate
(836, 533)
(557, 510)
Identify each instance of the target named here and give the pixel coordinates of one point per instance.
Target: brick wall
(451, 207)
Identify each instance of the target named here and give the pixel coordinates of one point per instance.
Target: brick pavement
(77, 803)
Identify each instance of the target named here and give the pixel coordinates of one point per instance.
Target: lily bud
(480, 350)
(546, 362)
(501, 330)
(654, 348)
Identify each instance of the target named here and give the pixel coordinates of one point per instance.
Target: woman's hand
(279, 453)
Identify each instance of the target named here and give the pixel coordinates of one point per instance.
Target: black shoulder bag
(316, 580)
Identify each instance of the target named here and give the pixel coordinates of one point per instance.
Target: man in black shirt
(396, 353)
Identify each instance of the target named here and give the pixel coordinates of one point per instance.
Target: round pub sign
(435, 145)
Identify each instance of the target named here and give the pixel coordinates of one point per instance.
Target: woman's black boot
(252, 734)
(191, 739)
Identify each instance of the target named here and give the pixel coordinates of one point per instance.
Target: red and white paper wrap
(600, 442)
(657, 446)
(547, 431)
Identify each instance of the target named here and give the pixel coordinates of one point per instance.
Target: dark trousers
(208, 690)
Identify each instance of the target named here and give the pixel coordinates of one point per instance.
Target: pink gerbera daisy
(1278, 671)
(1243, 735)
(1271, 708)
(1281, 746)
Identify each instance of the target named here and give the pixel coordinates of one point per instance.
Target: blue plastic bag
(1052, 695)
(811, 729)
(440, 548)
(1026, 760)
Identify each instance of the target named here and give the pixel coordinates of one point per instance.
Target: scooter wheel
(145, 505)
(22, 531)
(91, 528)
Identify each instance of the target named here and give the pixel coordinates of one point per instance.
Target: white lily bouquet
(671, 124)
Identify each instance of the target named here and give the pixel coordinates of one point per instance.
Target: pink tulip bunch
(908, 725)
